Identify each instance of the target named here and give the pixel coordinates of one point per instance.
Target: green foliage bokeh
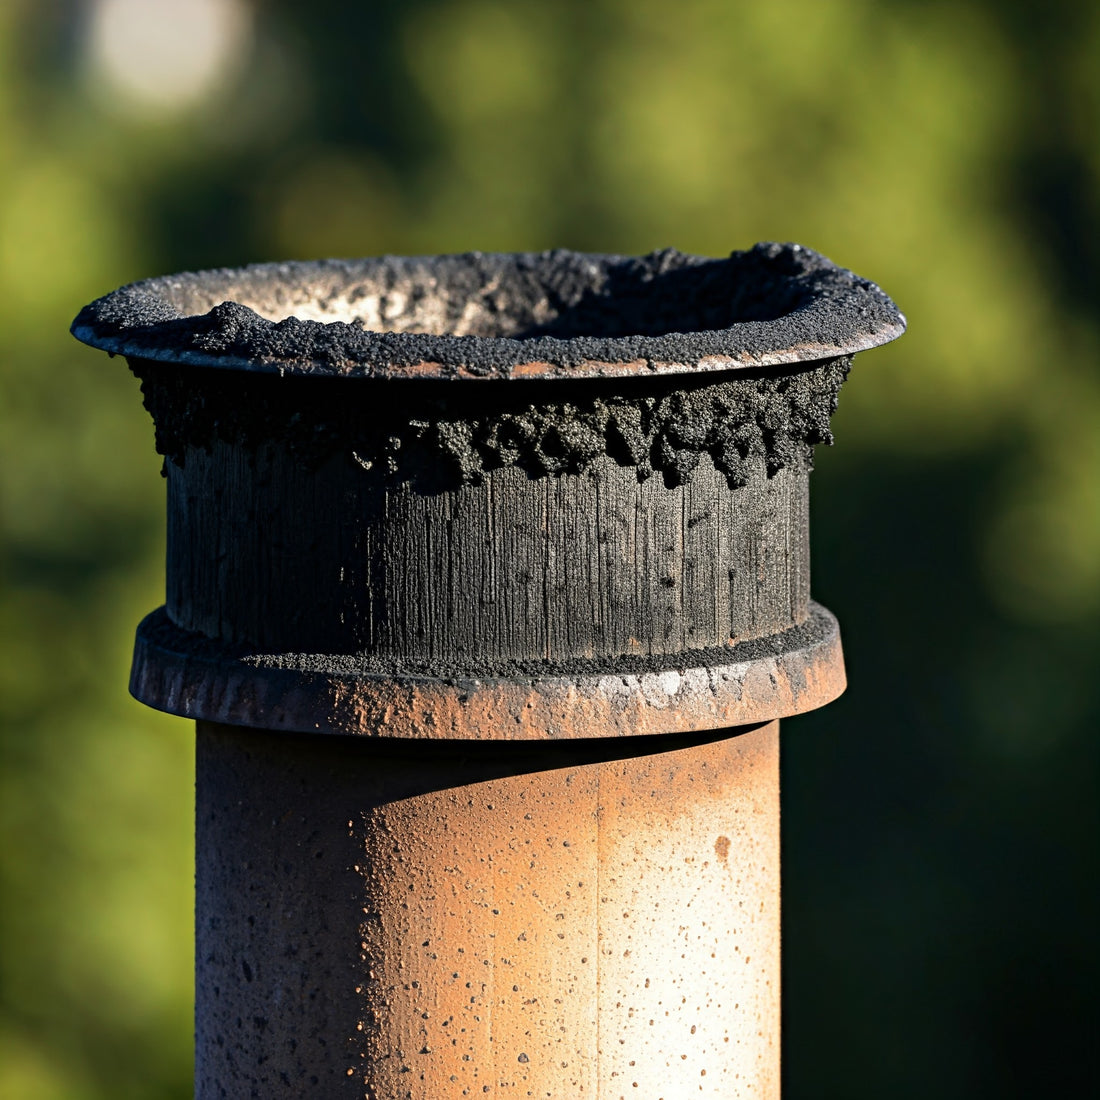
(940, 819)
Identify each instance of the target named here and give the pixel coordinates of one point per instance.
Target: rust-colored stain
(673, 701)
(552, 707)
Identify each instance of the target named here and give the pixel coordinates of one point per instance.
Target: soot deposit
(439, 436)
(492, 315)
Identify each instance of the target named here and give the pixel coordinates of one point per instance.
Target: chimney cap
(558, 314)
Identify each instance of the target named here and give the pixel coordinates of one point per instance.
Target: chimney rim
(558, 314)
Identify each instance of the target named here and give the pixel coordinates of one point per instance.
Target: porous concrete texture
(592, 919)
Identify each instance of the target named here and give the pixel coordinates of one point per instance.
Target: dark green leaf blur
(941, 824)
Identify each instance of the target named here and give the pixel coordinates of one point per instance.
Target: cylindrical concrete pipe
(488, 581)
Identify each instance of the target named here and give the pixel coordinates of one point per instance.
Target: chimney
(487, 586)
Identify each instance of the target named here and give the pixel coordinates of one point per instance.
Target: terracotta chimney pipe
(488, 580)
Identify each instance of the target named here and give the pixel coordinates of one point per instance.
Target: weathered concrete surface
(518, 920)
(778, 676)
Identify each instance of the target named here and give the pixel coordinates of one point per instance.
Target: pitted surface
(501, 315)
(557, 921)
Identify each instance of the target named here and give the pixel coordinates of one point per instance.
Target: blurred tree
(941, 819)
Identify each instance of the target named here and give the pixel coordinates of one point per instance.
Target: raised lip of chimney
(204, 318)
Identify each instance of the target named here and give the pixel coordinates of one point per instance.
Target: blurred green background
(941, 819)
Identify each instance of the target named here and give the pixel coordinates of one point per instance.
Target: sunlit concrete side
(546, 921)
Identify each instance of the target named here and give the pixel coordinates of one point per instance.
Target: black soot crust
(500, 315)
(442, 436)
